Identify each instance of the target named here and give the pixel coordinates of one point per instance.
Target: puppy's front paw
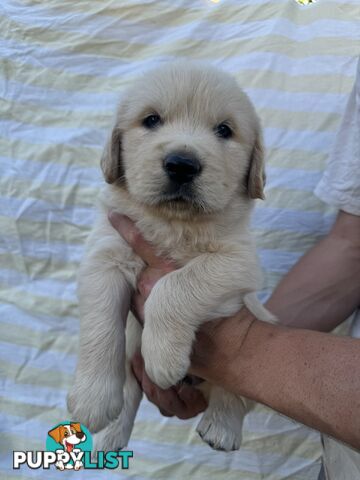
(217, 433)
(95, 404)
(166, 357)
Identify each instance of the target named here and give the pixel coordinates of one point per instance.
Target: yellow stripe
(53, 78)
(320, 121)
(285, 240)
(62, 153)
(300, 200)
(205, 49)
(63, 195)
(35, 268)
(248, 78)
(39, 231)
(50, 415)
(36, 304)
(58, 195)
(292, 158)
(160, 13)
(26, 337)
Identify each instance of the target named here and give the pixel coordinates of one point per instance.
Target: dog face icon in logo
(69, 436)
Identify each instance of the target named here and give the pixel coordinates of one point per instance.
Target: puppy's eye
(66, 434)
(223, 131)
(152, 121)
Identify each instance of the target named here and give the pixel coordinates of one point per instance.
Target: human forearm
(323, 288)
(296, 372)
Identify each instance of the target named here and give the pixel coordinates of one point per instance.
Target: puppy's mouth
(178, 201)
(182, 198)
(69, 446)
(182, 194)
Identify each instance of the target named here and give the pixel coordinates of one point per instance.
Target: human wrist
(249, 373)
(218, 346)
(245, 350)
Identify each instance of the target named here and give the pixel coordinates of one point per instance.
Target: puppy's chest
(182, 245)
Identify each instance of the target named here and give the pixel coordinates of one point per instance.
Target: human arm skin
(323, 288)
(309, 376)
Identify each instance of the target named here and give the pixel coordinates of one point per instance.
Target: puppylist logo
(69, 447)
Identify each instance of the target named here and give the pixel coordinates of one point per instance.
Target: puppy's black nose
(181, 167)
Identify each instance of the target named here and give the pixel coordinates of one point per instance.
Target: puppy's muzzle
(181, 167)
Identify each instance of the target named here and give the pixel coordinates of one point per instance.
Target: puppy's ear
(57, 433)
(77, 426)
(256, 174)
(110, 162)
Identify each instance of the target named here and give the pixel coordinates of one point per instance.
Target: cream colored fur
(208, 237)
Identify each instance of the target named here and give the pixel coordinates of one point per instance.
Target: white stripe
(79, 137)
(277, 260)
(32, 248)
(35, 358)
(306, 140)
(313, 223)
(13, 315)
(56, 98)
(105, 102)
(298, 102)
(292, 178)
(43, 211)
(34, 394)
(50, 171)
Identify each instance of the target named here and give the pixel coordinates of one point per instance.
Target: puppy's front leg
(184, 299)
(96, 396)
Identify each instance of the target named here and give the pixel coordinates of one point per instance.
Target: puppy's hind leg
(221, 424)
(96, 395)
(116, 435)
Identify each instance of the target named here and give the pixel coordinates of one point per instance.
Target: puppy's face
(68, 435)
(186, 141)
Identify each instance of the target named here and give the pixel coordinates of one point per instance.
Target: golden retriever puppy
(185, 162)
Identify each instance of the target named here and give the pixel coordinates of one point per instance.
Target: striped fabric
(63, 66)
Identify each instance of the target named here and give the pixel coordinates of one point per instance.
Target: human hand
(156, 267)
(183, 401)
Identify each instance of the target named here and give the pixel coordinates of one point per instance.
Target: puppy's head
(68, 435)
(186, 141)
